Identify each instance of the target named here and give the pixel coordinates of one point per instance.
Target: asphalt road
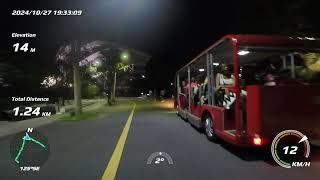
(82, 150)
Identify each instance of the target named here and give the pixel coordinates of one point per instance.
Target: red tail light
(257, 140)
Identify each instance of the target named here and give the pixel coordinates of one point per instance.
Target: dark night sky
(172, 31)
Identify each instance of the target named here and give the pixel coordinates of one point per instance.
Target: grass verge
(102, 109)
(83, 116)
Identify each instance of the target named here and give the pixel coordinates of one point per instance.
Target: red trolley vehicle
(245, 89)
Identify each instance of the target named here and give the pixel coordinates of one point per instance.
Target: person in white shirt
(224, 80)
(270, 81)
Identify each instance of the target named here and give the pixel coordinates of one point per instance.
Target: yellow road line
(111, 170)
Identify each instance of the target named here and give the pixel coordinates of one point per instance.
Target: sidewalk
(11, 127)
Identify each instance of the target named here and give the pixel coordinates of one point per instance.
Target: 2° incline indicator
(159, 158)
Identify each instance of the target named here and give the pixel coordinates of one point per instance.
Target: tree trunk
(77, 88)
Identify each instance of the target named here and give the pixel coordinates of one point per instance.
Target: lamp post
(124, 57)
(113, 97)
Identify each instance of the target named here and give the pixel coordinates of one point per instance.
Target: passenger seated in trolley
(204, 92)
(224, 80)
(183, 96)
(270, 79)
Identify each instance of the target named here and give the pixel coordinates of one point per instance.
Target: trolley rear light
(257, 140)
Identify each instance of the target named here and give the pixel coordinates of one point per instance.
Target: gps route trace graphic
(29, 150)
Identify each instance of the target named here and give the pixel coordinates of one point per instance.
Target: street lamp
(97, 62)
(124, 56)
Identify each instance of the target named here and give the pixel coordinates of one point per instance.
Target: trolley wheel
(209, 129)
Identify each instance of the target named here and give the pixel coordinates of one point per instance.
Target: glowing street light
(97, 62)
(124, 56)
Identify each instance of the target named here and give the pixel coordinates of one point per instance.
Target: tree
(69, 55)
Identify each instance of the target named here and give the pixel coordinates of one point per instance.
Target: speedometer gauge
(291, 148)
